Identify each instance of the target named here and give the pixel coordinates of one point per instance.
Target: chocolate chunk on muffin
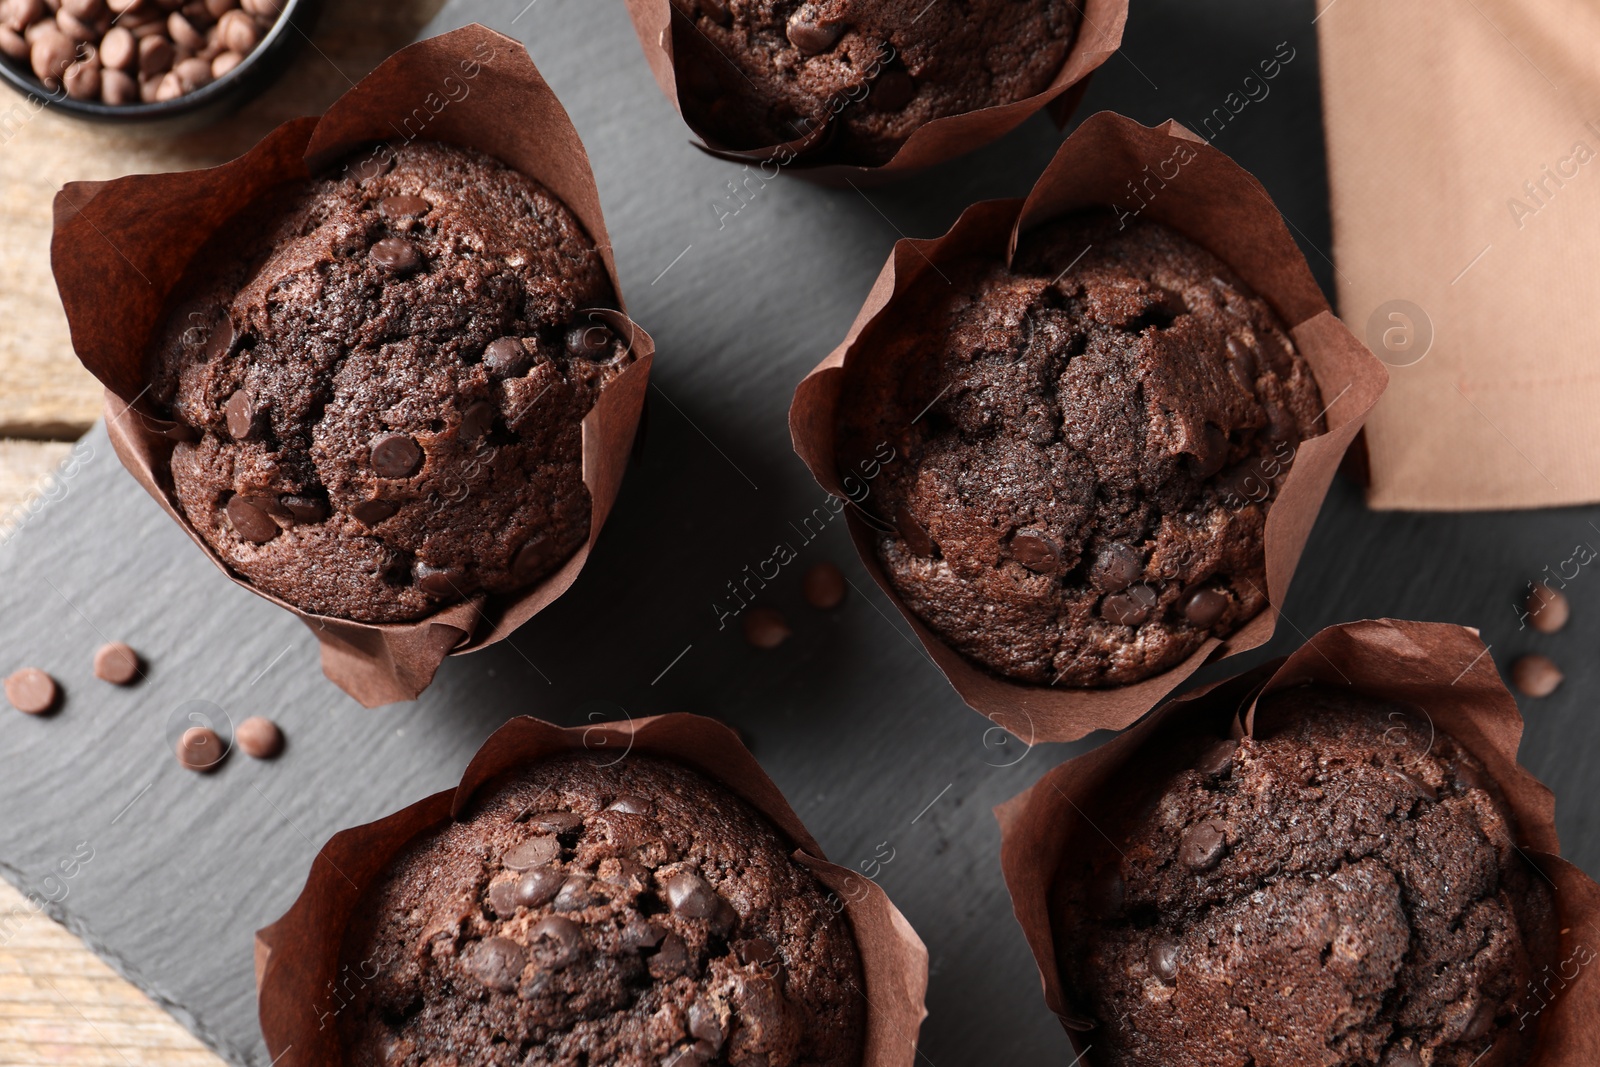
(757, 73)
(1345, 890)
(632, 914)
(1086, 446)
(384, 371)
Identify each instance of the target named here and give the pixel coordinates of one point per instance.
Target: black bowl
(204, 105)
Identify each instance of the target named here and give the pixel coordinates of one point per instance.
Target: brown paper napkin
(1464, 165)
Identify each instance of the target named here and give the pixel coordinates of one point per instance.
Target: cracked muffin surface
(758, 73)
(585, 913)
(1345, 890)
(1086, 446)
(383, 372)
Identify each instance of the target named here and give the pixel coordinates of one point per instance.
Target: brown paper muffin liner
(120, 247)
(1175, 177)
(297, 957)
(1098, 37)
(1444, 670)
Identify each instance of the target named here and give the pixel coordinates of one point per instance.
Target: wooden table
(59, 1003)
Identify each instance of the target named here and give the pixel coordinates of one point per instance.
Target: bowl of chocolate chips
(147, 61)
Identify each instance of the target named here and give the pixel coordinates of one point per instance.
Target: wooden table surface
(59, 1003)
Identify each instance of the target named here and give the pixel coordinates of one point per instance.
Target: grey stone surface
(871, 746)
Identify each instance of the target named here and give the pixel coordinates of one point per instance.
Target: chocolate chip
(915, 535)
(259, 737)
(631, 805)
(496, 962)
(573, 894)
(1420, 788)
(1116, 566)
(716, 10)
(395, 455)
(1202, 845)
(372, 512)
(438, 581)
(220, 343)
(477, 420)
(810, 35)
(760, 953)
(555, 942)
(531, 852)
(116, 663)
(380, 162)
(1547, 609)
(538, 886)
(1536, 675)
(250, 522)
(31, 691)
(1204, 607)
(1281, 424)
(892, 91)
(240, 413)
(706, 1024)
(670, 960)
(403, 207)
(554, 822)
(502, 899)
(1212, 454)
(625, 873)
(1163, 958)
(1130, 608)
(529, 561)
(200, 749)
(396, 255)
(1242, 358)
(1217, 759)
(701, 1054)
(1468, 776)
(824, 586)
(589, 342)
(639, 934)
(304, 508)
(766, 628)
(507, 358)
(1035, 551)
(690, 896)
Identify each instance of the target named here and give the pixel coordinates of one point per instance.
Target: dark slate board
(854, 723)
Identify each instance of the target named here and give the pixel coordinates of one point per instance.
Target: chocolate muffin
(863, 74)
(383, 373)
(632, 914)
(1084, 449)
(1345, 890)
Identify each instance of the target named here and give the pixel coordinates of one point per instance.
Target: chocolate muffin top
(1084, 447)
(1345, 890)
(385, 370)
(757, 73)
(583, 913)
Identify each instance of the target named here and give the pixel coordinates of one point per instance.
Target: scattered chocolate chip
(496, 962)
(1217, 759)
(1035, 551)
(1243, 358)
(380, 162)
(536, 887)
(396, 255)
(372, 512)
(1130, 608)
(670, 960)
(1116, 566)
(1202, 845)
(1469, 777)
(810, 35)
(240, 413)
(554, 822)
(502, 899)
(555, 942)
(395, 455)
(1536, 675)
(437, 581)
(573, 894)
(200, 749)
(477, 420)
(824, 586)
(403, 207)
(1212, 454)
(892, 91)
(1547, 609)
(259, 737)
(638, 934)
(507, 358)
(766, 627)
(631, 805)
(220, 343)
(528, 562)
(759, 953)
(250, 522)
(1204, 607)
(531, 852)
(31, 691)
(915, 535)
(690, 896)
(116, 663)
(308, 509)
(589, 342)
(706, 1024)
(1163, 958)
